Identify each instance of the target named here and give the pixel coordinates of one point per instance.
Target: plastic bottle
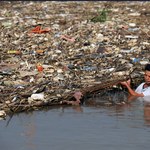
(14, 52)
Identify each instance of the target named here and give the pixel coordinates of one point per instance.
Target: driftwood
(111, 88)
(89, 90)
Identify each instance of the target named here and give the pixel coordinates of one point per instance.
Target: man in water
(143, 89)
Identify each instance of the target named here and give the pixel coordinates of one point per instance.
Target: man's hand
(126, 83)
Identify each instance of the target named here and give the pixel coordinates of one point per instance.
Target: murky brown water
(79, 128)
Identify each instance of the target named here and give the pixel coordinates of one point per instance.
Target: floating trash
(62, 50)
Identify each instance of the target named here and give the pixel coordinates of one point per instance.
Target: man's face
(147, 76)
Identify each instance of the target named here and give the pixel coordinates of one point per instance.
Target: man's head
(147, 73)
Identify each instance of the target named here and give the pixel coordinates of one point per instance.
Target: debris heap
(51, 50)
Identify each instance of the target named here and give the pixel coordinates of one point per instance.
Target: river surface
(79, 128)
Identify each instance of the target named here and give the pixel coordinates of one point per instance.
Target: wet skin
(147, 76)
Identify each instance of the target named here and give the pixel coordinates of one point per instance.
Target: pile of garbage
(54, 52)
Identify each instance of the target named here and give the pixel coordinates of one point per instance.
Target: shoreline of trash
(55, 53)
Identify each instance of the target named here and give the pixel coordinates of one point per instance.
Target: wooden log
(87, 90)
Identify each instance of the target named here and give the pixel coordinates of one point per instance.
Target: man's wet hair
(147, 67)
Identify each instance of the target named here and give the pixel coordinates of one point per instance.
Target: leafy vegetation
(102, 15)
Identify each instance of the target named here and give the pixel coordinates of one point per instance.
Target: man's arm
(131, 91)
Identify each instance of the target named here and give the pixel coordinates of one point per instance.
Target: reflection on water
(147, 114)
(30, 131)
(79, 127)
